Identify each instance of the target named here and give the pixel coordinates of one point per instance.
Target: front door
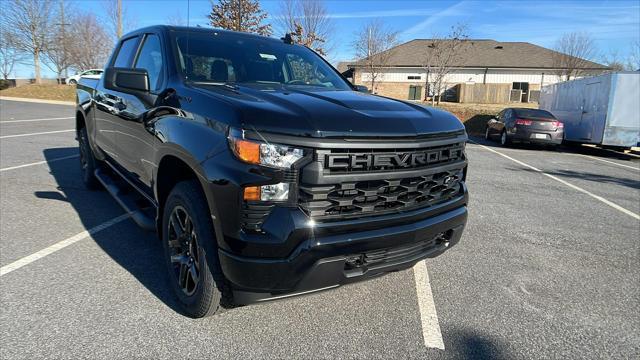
(109, 104)
(135, 141)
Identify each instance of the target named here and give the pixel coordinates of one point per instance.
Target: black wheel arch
(173, 168)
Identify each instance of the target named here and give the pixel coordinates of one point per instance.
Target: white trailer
(602, 110)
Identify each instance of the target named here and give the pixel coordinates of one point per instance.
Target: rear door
(504, 121)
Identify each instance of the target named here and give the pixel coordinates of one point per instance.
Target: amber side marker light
(251, 193)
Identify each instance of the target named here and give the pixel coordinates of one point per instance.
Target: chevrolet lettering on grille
(373, 161)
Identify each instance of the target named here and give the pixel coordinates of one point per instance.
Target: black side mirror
(132, 81)
(361, 88)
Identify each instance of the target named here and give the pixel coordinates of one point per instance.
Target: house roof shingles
(482, 54)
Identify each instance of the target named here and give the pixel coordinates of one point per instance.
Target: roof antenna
(186, 75)
(287, 39)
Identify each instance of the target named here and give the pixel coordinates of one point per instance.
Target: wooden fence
(484, 93)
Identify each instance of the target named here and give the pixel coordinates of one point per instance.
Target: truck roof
(168, 28)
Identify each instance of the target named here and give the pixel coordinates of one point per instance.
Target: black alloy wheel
(191, 252)
(185, 252)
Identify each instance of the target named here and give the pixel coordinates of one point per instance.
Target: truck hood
(306, 111)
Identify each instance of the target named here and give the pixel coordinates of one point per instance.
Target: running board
(129, 200)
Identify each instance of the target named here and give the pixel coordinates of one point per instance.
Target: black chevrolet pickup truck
(263, 171)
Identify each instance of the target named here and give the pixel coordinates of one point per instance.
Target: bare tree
(372, 45)
(613, 61)
(118, 19)
(176, 19)
(57, 54)
(9, 55)
(572, 51)
(92, 44)
(29, 24)
(633, 63)
(440, 57)
(239, 15)
(309, 23)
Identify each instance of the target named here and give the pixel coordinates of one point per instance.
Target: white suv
(91, 74)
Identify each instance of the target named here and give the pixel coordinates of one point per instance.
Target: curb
(42, 101)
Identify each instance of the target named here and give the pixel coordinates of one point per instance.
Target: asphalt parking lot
(548, 267)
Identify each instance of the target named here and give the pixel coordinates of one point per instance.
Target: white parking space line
(59, 245)
(599, 198)
(429, 318)
(39, 163)
(38, 133)
(609, 162)
(31, 120)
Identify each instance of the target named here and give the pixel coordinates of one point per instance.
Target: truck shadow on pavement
(468, 344)
(136, 251)
(599, 178)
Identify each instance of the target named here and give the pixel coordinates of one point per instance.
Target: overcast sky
(613, 24)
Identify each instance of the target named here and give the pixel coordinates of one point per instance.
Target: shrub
(4, 84)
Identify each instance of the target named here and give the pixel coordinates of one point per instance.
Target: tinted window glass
(225, 58)
(534, 113)
(507, 114)
(126, 52)
(150, 59)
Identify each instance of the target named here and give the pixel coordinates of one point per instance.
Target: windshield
(231, 58)
(534, 113)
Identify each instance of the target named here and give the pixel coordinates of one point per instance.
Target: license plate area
(540, 136)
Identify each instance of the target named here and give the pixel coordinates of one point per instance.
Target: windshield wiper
(229, 85)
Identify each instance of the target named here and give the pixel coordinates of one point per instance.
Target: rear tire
(190, 252)
(72, 82)
(487, 136)
(88, 162)
(504, 139)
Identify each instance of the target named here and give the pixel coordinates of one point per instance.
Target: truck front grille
(373, 197)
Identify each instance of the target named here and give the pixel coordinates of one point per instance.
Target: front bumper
(338, 253)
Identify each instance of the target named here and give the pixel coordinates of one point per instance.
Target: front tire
(72, 82)
(190, 251)
(487, 135)
(88, 162)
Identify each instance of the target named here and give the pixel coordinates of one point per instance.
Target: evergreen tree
(239, 15)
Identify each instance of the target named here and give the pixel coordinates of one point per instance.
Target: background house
(486, 71)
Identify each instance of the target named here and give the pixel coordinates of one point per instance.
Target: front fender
(191, 141)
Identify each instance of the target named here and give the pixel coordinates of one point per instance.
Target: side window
(507, 115)
(126, 53)
(150, 59)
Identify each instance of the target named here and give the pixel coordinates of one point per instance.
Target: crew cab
(264, 172)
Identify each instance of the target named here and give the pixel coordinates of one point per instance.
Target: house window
(524, 86)
(414, 77)
(415, 92)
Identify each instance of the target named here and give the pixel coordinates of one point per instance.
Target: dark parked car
(263, 171)
(518, 125)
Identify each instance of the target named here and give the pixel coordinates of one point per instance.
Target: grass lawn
(47, 92)
(475, 116)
